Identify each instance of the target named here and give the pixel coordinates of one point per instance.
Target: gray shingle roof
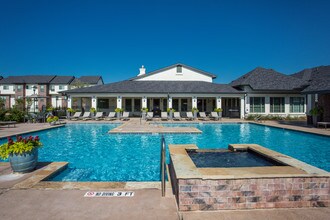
(88, 79)
(268, 79)
(62, 80)
(318, 79)
(172, 66)
(158, 87)
(31, 79)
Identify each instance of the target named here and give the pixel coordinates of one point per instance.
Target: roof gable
(268, 79)
(317, 78)
(172, 67)
(89, 79)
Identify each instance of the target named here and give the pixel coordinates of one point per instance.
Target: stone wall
(197, 194)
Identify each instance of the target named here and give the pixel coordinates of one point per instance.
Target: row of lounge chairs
(149, 116)
(189, 116)
(98, 116)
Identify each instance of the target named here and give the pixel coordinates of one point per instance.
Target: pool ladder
(163, 164)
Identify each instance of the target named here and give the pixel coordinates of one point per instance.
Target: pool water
(230, 159)
(95, 155)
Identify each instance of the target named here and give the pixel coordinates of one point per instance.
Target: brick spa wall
(197, 194)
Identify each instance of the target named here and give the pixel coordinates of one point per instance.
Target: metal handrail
(163, 164)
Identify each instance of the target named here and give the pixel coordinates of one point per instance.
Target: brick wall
(197, 194)
(324, 101)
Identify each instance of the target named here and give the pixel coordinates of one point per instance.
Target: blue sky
(114, 38)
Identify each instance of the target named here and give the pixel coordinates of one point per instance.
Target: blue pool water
(95, 155)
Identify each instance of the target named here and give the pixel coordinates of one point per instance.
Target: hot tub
(246, 176)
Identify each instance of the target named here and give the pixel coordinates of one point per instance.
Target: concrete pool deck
(146, 204)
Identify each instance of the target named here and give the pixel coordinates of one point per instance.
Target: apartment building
(38, 91)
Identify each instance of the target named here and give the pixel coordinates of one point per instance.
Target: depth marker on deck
(109, 194)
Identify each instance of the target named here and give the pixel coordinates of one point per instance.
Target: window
(5, 87)
(52, 88)
(179, 69)
(60, 87)
(128, 105)
(42, 88)
(175, 104)
(257, 104)
(137, 105)
(164, 105)
(19, 88)
(277, 104)
(184, 105)
(41, 100)
(297, 104)
(103, 103)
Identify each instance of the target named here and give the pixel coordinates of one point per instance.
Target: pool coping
(185, 167)
(38, 180)
(32, 131)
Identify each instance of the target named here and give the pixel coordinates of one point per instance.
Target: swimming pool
(95, 155)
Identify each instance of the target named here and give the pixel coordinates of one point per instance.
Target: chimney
(142, 71)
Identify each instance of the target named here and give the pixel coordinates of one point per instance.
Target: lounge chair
(177, 116)
(203, 116)
(190, 116)
(8, 123)
(164, 116)
(149, 116)
(86, 116)
(76, 116)
(111, 116)
(215, 116)
(98, 116)
(125, 116)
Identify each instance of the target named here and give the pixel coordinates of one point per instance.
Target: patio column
(218, 103)
(69, 102)
(94, 101)
(242, 107)
(144, 102)
(194, 102)
(287, 105)
(309, 103)
(119, 102)
(267, 105)
(170, 102)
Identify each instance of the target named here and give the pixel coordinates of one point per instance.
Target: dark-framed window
(128, 105)
(257, 104)
(277, 104)
(103, 103)
(184, 105)
(297, 104)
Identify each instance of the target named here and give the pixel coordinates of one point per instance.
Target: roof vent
(142, 71)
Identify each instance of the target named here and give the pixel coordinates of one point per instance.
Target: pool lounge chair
(203, 116)
(111, 116)
(149, 116)
(8, 123)
(190, 116)
(86, 116)
(76, 116)
(125, 116)
(98, 116)
(176, 116)
(164, 116)
(215, 116)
